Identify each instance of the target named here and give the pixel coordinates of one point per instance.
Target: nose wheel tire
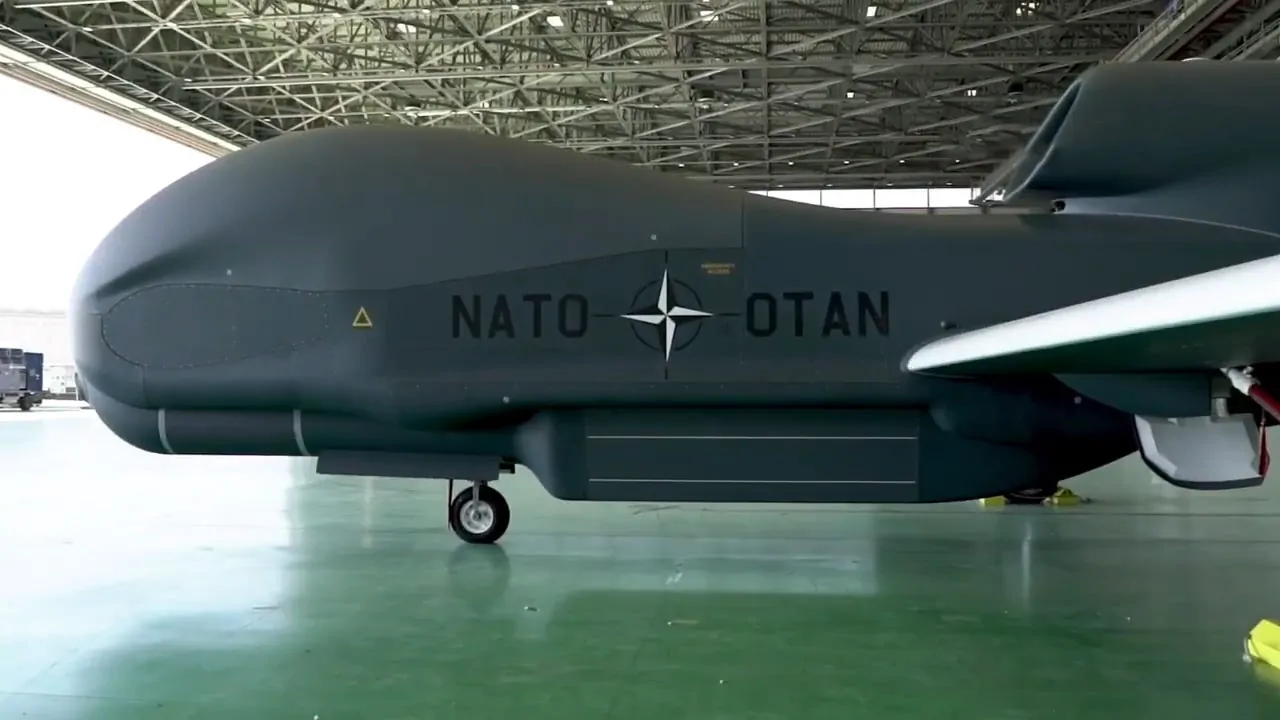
(1031, 496)
(479, 518)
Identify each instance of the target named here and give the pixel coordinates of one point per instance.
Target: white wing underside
(1208, 320)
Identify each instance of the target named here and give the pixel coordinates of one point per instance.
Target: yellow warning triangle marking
(362, 319)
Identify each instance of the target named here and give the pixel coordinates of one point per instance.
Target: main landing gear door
(1204, 453)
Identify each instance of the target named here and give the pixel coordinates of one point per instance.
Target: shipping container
(35, 372)
(21, 378)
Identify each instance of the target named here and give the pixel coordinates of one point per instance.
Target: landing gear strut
(1243, 381)
(479, 514)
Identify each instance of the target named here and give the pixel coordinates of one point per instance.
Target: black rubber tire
(501, 516)
(25, 403)
(1031, 496)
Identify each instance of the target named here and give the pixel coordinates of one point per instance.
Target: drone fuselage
(406, 302)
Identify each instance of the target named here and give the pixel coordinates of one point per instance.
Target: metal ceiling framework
(751, 93)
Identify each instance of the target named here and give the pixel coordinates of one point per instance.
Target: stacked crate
(13, 370)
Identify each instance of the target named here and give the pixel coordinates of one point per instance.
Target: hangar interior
(145, 586)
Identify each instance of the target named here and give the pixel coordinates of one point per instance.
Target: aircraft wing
(1085, 149)
(1224, 318)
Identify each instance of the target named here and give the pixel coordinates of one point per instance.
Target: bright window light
(950, 197)
(872, 10)
(555, 21)
(57, 132)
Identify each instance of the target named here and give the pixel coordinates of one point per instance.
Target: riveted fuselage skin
(512, 294)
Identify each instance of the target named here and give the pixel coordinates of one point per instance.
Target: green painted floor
(141, 587)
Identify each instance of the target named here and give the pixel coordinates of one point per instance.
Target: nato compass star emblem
(667, 316)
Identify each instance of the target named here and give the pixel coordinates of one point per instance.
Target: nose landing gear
(479, 514)
(1031, 496)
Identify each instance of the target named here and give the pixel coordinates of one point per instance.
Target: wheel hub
(476, 517)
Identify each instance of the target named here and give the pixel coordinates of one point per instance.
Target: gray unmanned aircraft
(351, 294)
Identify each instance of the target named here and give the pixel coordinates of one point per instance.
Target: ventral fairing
(346, 294)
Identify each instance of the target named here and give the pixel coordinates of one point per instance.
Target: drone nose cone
(112, 387)
(99, 371)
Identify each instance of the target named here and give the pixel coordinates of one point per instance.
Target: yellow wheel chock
(1262, 646)
(1065, 497)
(1062, 498)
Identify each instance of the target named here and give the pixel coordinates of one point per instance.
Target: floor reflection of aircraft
(480, 577)
(550, 644)
(252, 592)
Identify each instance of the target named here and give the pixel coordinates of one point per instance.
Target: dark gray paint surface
(1136, 130)
(227, 301)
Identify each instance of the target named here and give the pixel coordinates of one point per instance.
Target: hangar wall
(39, 331)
